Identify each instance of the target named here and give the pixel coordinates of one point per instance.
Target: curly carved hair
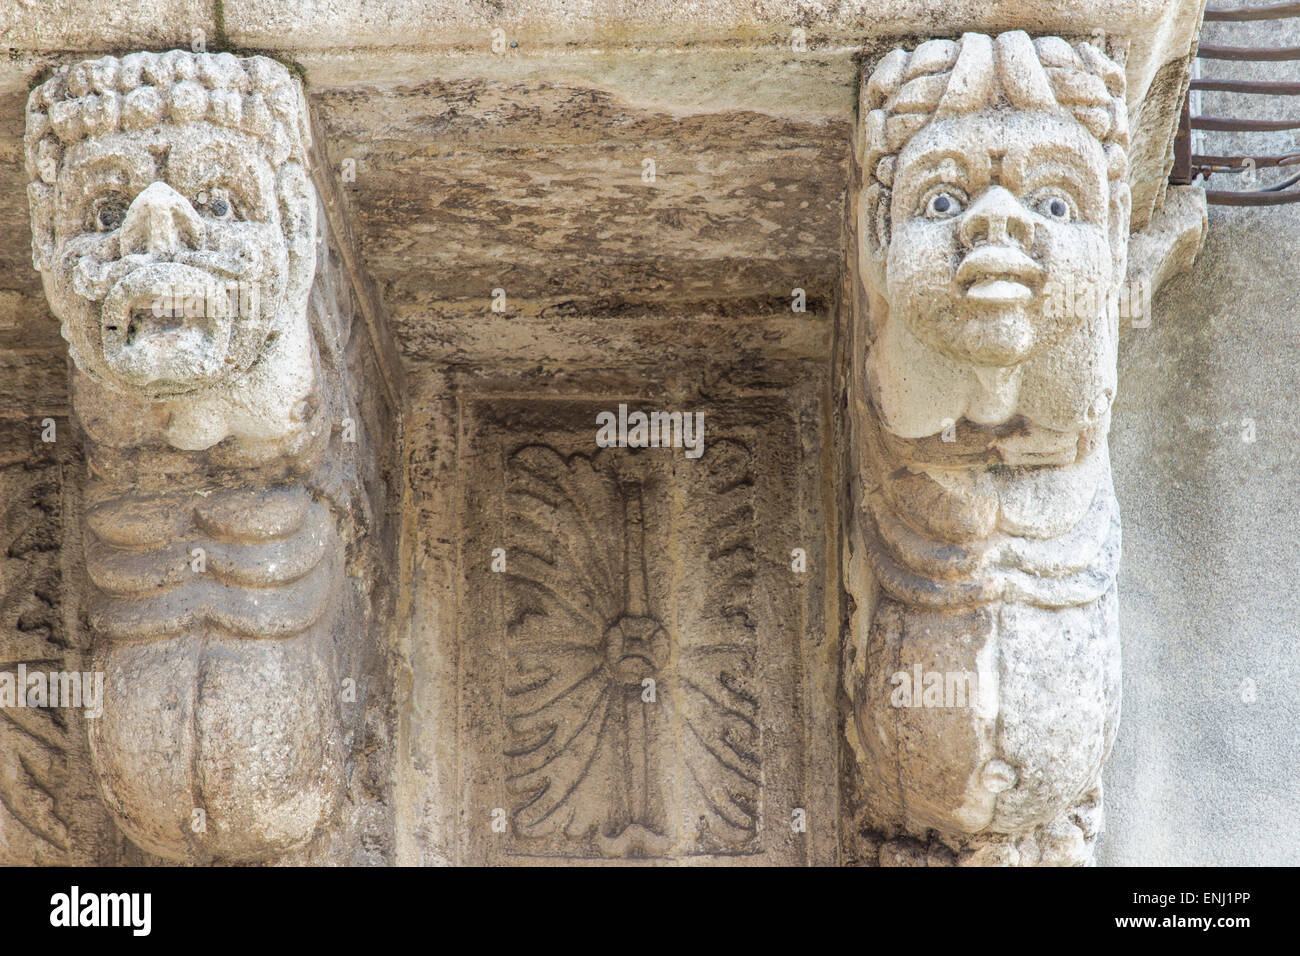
(943, 78)
(254, 94)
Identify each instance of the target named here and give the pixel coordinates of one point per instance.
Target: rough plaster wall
(1201, 774)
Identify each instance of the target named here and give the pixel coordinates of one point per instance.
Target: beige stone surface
(474, 243)
(90, 26)
(618, 566)
(1161, 30)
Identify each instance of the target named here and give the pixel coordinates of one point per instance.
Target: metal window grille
(1188, 165)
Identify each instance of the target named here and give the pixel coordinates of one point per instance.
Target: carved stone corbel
(992, 224)
(175, 229)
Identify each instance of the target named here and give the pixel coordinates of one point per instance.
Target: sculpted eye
(215, 203)
(944, 203)
(1056, 206)
(110, 212)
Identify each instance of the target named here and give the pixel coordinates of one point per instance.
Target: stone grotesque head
(173, 220)
(993, 173)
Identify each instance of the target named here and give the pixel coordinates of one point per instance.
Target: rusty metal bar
(1239, 162)
(1188, 165)
(1274, 11)
(1245, 53)
(1247, 86)
(1219, 197)
(1216, 124)
(1181, 173)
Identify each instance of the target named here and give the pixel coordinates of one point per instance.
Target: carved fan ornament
(621, 740)
(34, 744)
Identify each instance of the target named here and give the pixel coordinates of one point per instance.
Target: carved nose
(161, 221)
(997, 218)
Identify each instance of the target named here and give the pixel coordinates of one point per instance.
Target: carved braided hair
(955, 77)
(254, 94)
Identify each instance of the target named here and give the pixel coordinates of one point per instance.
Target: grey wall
(1210, 586)
(1200, 773)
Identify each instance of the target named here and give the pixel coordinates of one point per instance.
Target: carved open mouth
(147, 318)
(167, 327)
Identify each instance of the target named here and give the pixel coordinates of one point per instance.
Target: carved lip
(999, 291)
(167, 327)
(999, 275)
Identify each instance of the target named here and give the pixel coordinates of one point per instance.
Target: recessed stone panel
(631, 682)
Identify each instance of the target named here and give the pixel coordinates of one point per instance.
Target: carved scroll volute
(991, 231)
(174, 226)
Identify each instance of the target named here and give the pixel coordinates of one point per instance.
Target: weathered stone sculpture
(175, 229)
(992, 227)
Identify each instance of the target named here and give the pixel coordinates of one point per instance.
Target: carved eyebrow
(221, 160)
(98, 165)
(102, 167)
(1057, 150)
(1061, 158)
(937, 154)
(935, 157)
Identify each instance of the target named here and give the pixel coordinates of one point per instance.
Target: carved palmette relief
(983, 666)
(624, 736)
(175, 229)
(34, 742)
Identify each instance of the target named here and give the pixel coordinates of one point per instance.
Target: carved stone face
(170, 260)
(988, 210)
